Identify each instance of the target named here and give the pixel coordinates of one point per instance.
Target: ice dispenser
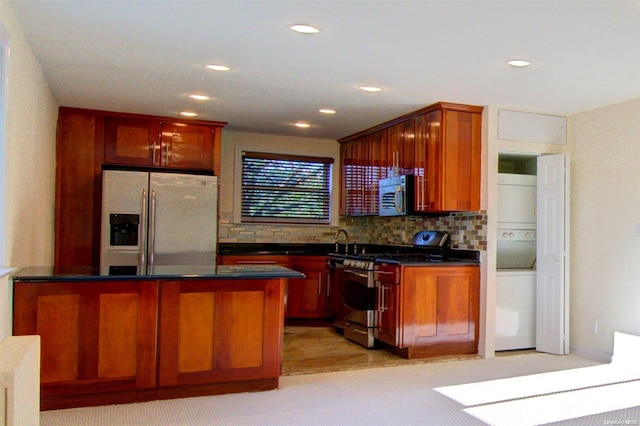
(123, 229)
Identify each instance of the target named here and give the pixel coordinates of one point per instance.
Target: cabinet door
(441, 305)
(187, 146)
(217, 331)
(95, 338)
(335, 287)
(420, 164)
(352, 178)
(388, 314)
(394, 147)
(77, 219)
(381, 153)
(132, 141)
(433, 162)
(307, 297)
(388, 305)
(461, 161)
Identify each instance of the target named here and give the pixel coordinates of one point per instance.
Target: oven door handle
(359, 274)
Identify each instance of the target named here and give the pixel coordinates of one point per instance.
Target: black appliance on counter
(358, 271)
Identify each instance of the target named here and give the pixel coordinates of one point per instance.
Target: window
(286, 188)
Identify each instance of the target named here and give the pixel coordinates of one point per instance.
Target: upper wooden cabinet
(88, 139)
(447, 160)
(439, 144)
(145, 142)
(364, 162)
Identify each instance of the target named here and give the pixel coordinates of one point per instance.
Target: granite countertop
(46, 273)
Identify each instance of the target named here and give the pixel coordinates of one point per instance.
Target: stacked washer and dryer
(516, 262)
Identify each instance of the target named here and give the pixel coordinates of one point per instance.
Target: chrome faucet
(346, 240)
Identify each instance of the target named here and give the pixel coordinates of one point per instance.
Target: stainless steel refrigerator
(152, 219)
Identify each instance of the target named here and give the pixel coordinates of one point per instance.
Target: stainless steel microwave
(395, 195)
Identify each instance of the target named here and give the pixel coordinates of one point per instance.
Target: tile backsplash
(468, 230)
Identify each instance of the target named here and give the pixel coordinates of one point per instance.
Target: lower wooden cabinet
(94, 338)
(307, 297)
(429, 311)
(109, 342)
(219, 331)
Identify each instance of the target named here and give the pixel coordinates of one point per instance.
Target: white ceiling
(147, 56)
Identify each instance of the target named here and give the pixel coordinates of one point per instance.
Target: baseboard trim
(591, 353)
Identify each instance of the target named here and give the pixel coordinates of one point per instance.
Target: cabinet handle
(319, 284)
(166, 154)
(154, 148)
(328, 285)
(254, 262)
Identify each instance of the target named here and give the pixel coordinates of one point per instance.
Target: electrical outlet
(594, 325)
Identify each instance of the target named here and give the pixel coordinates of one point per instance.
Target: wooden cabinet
(110, 342)
(88, 139)
(307, 297)
(439, 144)
(428, 311)
(148, 142)
(400, 148)
(97, 338)
(352, 198)
(335, 289)
(388, 305)
(363, 163)
(217, 332)
(78, 189)
(448, 160)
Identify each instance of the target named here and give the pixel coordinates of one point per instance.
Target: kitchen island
(181, 331)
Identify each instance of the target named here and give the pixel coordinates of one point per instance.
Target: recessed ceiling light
(216, 67)
(199, 97)
(519, 63)
(371, 89)
(188, 114)
(302, 125)
(328, 111)
(304, 29)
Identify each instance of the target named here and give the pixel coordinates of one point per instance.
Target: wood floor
(323, 349)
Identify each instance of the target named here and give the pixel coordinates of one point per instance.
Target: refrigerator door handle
(142, 263)
(152, 228)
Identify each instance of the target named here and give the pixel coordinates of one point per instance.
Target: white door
(552, 278)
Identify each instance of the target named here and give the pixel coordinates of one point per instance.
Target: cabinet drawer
(389, 274)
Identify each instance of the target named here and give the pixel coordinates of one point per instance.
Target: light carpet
(422, 394)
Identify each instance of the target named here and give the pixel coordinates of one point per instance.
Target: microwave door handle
(397, 199)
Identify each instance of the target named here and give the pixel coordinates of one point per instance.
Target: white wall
(270, 143)
(605, 210)
(28, 169)
(29, 154)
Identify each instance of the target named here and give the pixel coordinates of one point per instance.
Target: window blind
(285, 188)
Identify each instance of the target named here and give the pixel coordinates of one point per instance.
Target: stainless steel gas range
(363, 292)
